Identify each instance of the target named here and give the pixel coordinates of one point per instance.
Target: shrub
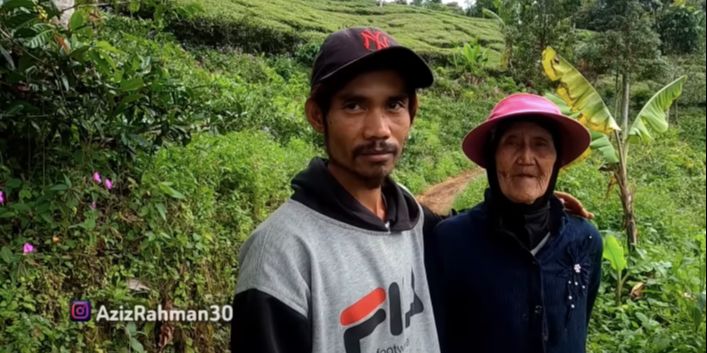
(170, 238)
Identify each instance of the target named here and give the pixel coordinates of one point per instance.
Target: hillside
(434, 34)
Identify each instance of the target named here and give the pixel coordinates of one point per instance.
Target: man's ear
(413, 108)
(314, 115)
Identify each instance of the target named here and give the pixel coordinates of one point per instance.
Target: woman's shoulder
(472, 217)
(582, 230)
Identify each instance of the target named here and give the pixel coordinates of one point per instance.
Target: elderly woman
(516, 273)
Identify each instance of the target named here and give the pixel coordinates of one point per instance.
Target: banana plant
(613, 142)
(472, 57)
(614, 253)
(600, 141)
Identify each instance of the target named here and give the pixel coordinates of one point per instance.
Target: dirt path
(440, 197)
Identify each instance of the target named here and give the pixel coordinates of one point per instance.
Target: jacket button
(538, 309)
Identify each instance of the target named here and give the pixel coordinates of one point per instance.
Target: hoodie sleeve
(271, 305)
(263, 324)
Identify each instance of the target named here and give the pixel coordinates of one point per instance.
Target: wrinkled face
(524, 160)
(367, 125)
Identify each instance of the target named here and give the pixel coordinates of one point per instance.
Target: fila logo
(355, 313)
(376, 37)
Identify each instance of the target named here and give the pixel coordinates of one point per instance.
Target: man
(339, 267)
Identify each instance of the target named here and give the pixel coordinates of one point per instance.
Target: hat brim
(575, 137)
(413, 68)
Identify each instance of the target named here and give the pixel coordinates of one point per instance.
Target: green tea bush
(280, 25)
(244, 32)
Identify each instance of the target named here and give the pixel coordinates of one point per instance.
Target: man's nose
(376, 125)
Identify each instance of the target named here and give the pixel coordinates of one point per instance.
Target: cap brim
(412, 66)
(575, 137)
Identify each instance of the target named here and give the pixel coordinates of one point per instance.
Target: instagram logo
(80, 310)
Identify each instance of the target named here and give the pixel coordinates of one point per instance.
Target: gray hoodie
(341, 287)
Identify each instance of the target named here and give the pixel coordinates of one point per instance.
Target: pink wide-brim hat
(575, 137)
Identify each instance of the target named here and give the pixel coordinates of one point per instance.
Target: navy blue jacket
(491, 295)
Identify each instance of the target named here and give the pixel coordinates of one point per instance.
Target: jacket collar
(317, 189)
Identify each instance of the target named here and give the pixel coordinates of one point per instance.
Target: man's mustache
(375, 147)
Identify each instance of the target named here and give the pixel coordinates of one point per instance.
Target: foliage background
(194, 110)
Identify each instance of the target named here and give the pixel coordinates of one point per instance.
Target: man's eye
(395, 105)
(352, 106)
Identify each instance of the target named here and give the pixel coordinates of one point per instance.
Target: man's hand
(572, 205)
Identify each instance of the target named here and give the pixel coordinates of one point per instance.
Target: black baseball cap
(348, 51)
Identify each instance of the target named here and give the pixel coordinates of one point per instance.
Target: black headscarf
(527, 223)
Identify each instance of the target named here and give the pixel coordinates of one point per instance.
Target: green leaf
(78, 52)
(614, 252)
(67, 181)
(6, 255)
(564, 108)
(105, 46)
(132, 329)
(134, 6)
(13, 4)
(25, 32)
(14, 183)
(490, 14)
(59, 187)
(78, 20)
(20, 20)
(89, 223)
(651, 119)
(125, 102)
(166, 188)
(578, 93)
(132, 84)
(29, 306)
(41, 39)
(162, 211)
(136, 346)
(6, 213)
(602, 144)
(8, 58)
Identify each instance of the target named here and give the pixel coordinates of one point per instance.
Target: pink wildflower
(27, 248)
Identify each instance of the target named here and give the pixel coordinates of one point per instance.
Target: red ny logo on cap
(379, 38)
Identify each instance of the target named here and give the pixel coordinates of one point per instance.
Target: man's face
(367, 125)
(524, 160)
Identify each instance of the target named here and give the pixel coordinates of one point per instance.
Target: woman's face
(524, 160)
